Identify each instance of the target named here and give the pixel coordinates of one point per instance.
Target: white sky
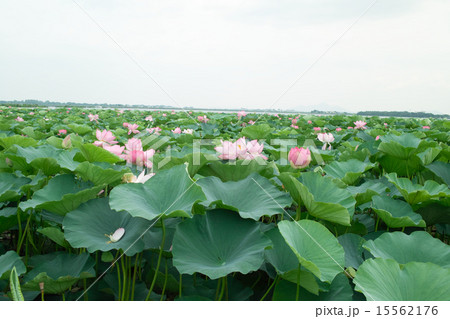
(228, 53)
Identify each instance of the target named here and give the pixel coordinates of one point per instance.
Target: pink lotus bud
(67, 143)
(299, 157)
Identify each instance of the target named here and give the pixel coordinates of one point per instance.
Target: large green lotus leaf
(418, 246)
(256, 132)
(253, 197)
(348, 171)
(8, 218)
(92, 154)
(217, 244)
(8, 261)
(402, 146)
(62, 194)
(286, 263)
(195, 160)
(80, 129)
(442, 170)
(170, 193)
(321, 197)
(402, 167)
(396, 213)
(339, 290)
(415, 193)
(231, 171)
(101, 173)
(435, 212)
(10, 186)
(315, 247)
(386, 280)
(428, 155)
(17, 140)
(58, 271)
(364, 192)
(353, 247)
(65, 159)
(86, 227)
(55, 234)
(42, 157)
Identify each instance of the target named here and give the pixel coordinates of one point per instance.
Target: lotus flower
(360, 125)
(299, 157)
(426, 127)
(377, 138)
(326, 139)
(93, 117)
(132, 128)
(251, 122)
(134, 154)
(66, 143)
(188, 131)
(203, 119)
(227, 150)
(61, 132)
(149, 118)
(19, 119)
(154, 130)
(241, 114)
(176, 131)
(115, 149)
(309, 122)
(294, 126)
(142, 178)
(316, 129)
(134, 144)
(104, 137)
(338, 129)
(294, 121)
(125, 124)
(254, 149)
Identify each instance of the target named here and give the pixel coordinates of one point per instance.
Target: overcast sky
(228, 53)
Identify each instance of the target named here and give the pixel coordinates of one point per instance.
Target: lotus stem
(19, 246)
(134, 275)
(270, 288)
(222, 290)
(159, 260)
(299, 213)
(181, 286)
(297, 294)
(165, 279)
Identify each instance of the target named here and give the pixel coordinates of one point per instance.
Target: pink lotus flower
(254, 150)
(350, 128)
(104, 137)
(227, 150)
(67, 142)
(309, 122)
(121, 111)
(67, 112)
(93, 117)
(316, 129)
(134, 154)
(338, 129)
(173, 112)
(164, 114)
(188, 131)
(326, 139)
(125, 124)
(294, 126)
(385, 124)
(360, 125)
(154, 130)
(426, 127)
(299, 157)
(61, 132)
(377, 138)
(203, 119)
(241, 114)
(132, 128)
(190, 112)
(176, 131)
(115, 149)
(149, 118)
(251, 122)
(19, 119)
(294, 121)
(31, 113)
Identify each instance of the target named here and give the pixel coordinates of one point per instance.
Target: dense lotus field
(154, 205)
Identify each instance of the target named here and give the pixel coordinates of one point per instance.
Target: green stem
(19, 246)
(297, 294)
(124, 274)
(403, 229)
(119, 281)
(376, 225)
(222, 290)
(180, 289)
(299, 213)
(159, 260)
(134, 275)
(270, 288)
(165, 279)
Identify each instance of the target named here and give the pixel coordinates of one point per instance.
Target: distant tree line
(402, 114)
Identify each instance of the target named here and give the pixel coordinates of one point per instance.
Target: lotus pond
(153, 205)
